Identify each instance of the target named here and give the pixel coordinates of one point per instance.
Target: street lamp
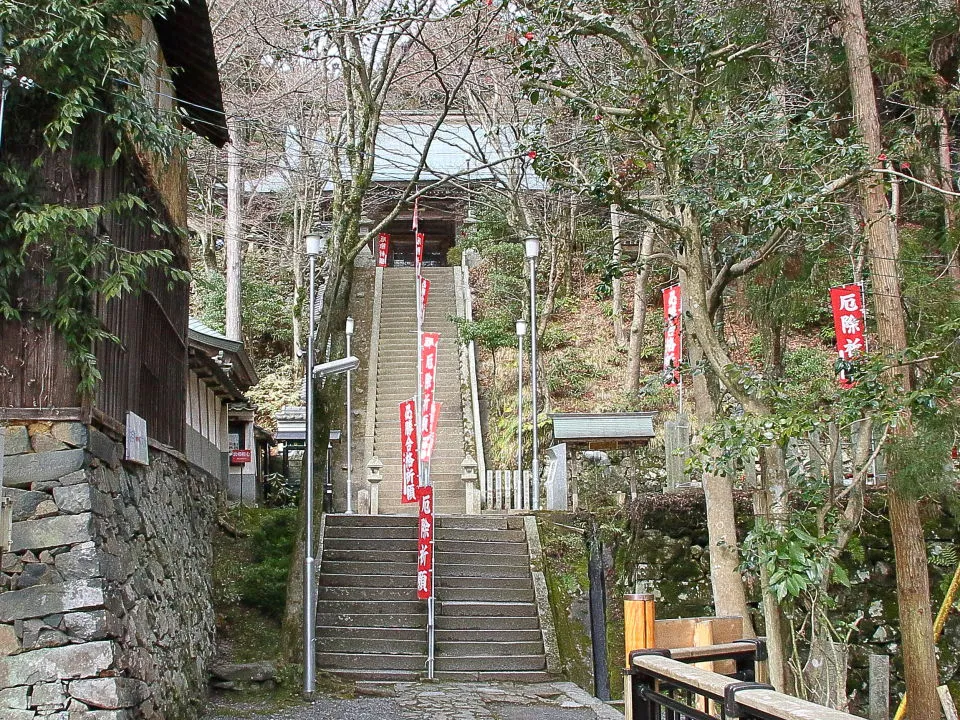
(349, 332)
(531, 251)
(521, 331)
(316, 244)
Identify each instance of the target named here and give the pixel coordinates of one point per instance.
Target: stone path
(443, 701)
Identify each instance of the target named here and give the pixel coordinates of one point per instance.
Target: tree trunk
(950, 209)
(231, 235)
(729, 595)
(770, 502)
(619, 334)
(913, 589)
(639, 312)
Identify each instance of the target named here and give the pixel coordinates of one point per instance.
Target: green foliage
(569, 374)
(263, 584)
(85, 63)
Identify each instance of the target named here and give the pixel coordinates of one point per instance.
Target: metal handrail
(656, 679)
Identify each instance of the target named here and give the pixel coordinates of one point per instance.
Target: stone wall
(105, 599)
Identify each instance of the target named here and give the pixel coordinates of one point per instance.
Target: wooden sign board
(700, 632)
(136, 440)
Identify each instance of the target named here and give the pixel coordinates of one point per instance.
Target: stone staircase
(370, 624)
(397, 381)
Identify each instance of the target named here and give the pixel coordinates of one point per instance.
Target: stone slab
(82, 562)
(62, 663)
(41, 600)
(9, 643)
(24, 502)
(72, 433)
(73, 499)
(22, 470)
(14, 698)
(110, 693)
(17, 440)
(52, 532)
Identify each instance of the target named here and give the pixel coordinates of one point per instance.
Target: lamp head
(349, 327)
(335, 367)
(531, 246)
(316, 243)
(521, 328)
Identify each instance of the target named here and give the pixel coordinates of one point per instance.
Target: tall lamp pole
(532, 251)
(349, 333)
(316, 244)
(521, 331)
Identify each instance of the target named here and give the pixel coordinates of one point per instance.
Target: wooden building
(145, 371)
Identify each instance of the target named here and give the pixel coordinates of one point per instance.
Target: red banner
(430, 421)
(425, 543)
(428, 370)
(424, 295)
(672, 341)
(383, 249)
(847, 302)
(419, 249)
(409, 456)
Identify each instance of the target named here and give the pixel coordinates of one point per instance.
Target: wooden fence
(507, 490)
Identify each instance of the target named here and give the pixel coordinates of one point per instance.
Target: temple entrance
(439, 237)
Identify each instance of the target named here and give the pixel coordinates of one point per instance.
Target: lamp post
(316, 244)
(532, 251)
(349, 333)
(334, 367)
(521, 331)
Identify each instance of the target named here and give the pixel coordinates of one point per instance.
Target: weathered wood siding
(146, 372)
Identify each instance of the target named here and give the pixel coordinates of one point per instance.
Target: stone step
(445, 570)
(460, 623)
(383, 675)
(509, 583)
(380, 633)
(485, 635)
(496, 648)
(486, 594)
(369, 543)
(488, 609)
(488, 548)
(480, 535)
(528, 676)
(355, 520)
(403, 593)
(480, 522)
(384, 533)
(373, 661)
(358, 575)
(373, 645)
(385, 620)
(489, 664)
(370, 559)
(369, 607)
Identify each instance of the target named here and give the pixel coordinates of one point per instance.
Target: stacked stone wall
(105, 597)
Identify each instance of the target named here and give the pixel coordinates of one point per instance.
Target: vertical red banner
(421, 239)
(430, 422)
(409, 454)
(383, 249)
(428, 372)
(424, 296)
(672, 341)
(847, 303)
(425, 524)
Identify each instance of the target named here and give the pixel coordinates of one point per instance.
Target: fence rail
(507, 490)
(662, 687)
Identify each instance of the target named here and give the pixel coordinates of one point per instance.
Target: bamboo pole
(938, 625)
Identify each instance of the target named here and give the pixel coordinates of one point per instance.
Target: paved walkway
(443, 701)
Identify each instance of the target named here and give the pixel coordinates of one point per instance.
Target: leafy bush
(554, 337)
(569, 374)
(263, 584)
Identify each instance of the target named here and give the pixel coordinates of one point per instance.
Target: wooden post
(639, 614)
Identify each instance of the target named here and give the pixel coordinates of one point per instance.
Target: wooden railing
(662, 685)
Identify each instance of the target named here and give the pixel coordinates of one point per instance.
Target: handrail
(654, 673)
